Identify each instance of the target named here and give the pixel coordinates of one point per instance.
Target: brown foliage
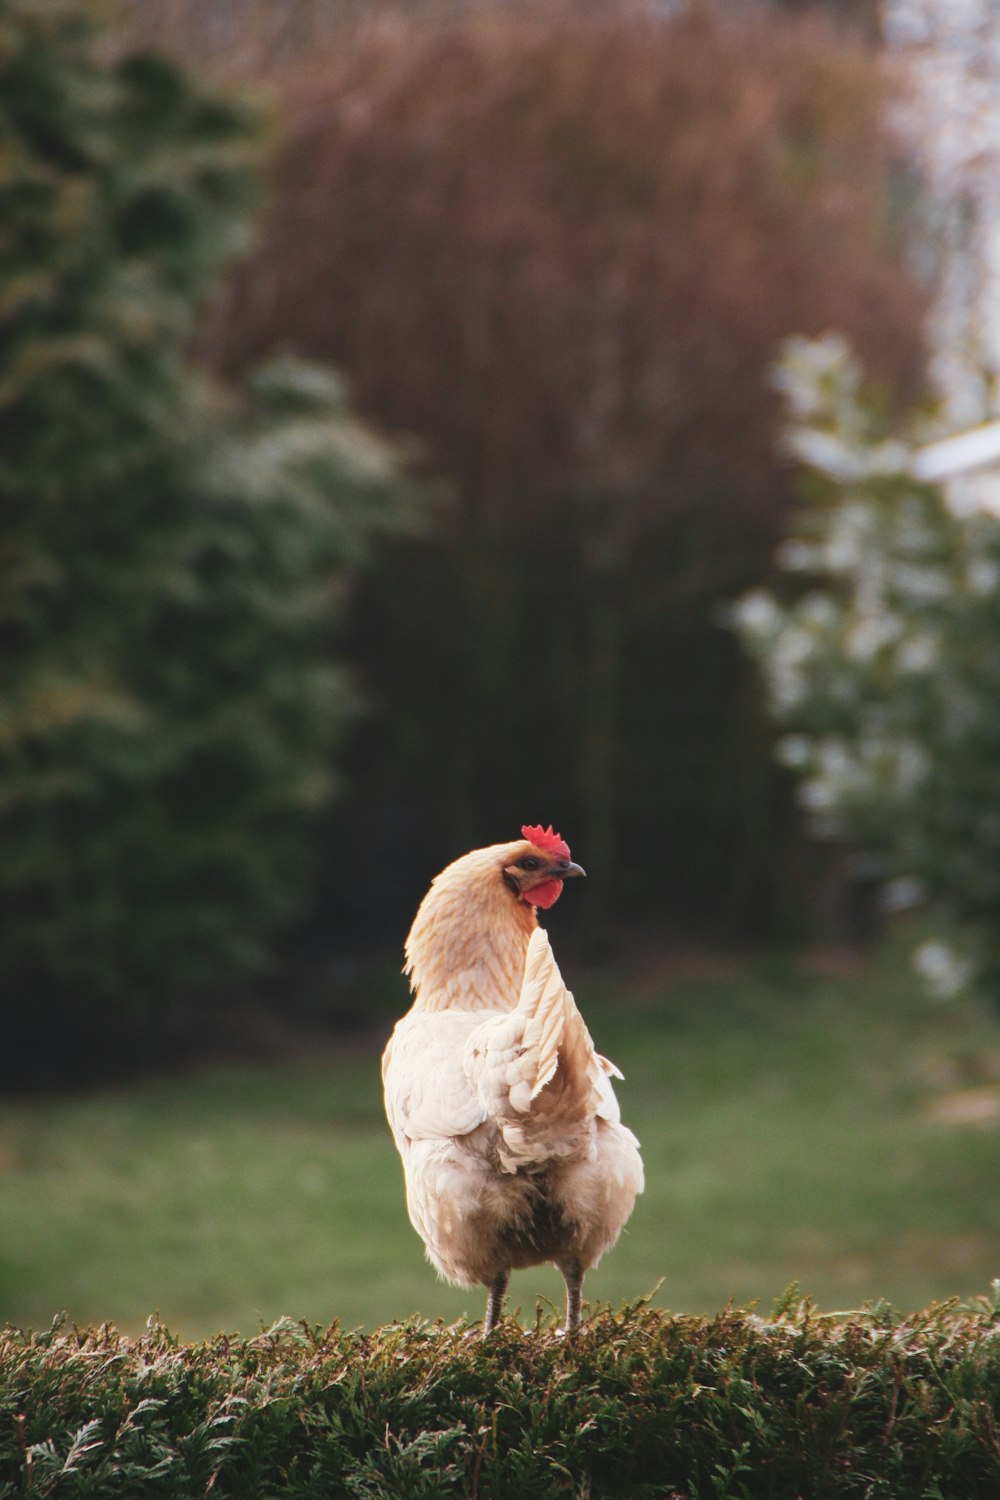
(563, 251)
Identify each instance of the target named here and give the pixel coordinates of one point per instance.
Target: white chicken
(504, 1115)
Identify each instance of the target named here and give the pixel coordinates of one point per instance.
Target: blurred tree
(562, 251)
(880, 648)
(172, 554)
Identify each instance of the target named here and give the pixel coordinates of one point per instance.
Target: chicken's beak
(563, 872)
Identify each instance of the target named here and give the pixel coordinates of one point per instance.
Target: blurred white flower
(982, 575)
(919, 653)
(818, 612)
(920, 585)
(817, 796)
(756, 614)
(896, 647)
(912, 767)
(808, 369)
(889, 458)
(944, 971)
(870, 634)
(832, 455)
(794, 750)
(797, 556)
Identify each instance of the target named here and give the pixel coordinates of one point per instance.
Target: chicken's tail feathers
(546, 1003)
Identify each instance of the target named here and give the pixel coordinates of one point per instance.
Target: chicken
(504, 1115)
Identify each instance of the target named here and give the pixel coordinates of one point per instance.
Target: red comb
(544, 838)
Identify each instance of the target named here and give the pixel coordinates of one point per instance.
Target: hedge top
(644, 1403)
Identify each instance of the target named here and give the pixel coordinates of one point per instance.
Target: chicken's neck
(467, 946)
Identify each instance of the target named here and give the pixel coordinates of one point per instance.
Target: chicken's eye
(529, 862)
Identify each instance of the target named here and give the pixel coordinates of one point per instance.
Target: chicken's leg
(494, 1302)
(573, 1276)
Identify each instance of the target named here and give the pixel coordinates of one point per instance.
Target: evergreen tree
(171, 552)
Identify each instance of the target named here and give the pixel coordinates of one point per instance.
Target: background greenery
(566, 287)
(562, 250)
(174, 550)
(878, 648)
(834, 1128)
(554, 256)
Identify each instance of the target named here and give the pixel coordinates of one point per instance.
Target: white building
(952, 48)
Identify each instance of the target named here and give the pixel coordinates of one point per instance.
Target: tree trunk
(599, 730)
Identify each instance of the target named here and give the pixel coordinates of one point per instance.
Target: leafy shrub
(171, 553)
(883, 663)
(643, 1404)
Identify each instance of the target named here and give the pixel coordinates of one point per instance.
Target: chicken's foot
(573, 1277)
(494, 1302)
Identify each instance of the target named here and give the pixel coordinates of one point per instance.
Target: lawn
(829, 1127)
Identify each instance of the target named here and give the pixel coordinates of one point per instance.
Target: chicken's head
(539, 866)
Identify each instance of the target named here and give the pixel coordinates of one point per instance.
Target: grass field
(833, 1128)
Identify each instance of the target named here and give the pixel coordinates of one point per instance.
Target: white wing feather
(446, 1073)
(428, 1095)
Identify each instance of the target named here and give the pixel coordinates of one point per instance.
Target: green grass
(786, 1122)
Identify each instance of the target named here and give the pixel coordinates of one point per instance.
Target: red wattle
(545, 894)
